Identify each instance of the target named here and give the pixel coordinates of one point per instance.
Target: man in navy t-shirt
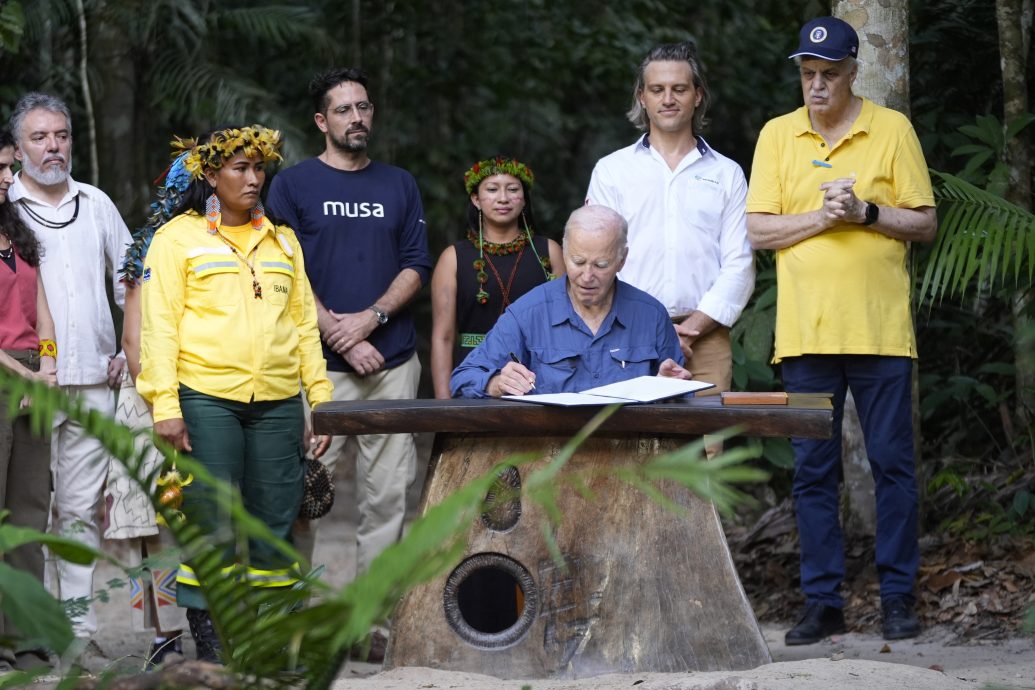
(364, 240)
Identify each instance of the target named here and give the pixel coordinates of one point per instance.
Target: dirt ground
(933, 661)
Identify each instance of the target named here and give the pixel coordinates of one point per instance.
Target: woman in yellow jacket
(228, 331)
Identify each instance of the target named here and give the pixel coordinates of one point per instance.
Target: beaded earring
(212, 213)
(258, 214)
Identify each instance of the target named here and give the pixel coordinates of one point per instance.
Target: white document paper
(638, 390)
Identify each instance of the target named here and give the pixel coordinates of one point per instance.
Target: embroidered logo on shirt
(705, 179)
(147, 274)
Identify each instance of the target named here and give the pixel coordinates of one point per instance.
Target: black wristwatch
(382, 316)
(872, 213)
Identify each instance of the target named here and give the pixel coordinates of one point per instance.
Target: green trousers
(256, 447)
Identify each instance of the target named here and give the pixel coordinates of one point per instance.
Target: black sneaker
(206, 641)
(899, 621)
(817, 621)
(158, 651)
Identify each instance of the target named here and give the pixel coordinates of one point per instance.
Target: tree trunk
(1014, 18)
(883, 28)
(84, 82)
(123, 173)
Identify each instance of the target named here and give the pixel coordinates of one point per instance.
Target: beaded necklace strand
(517, 244)
(52, 224)
(256, 287)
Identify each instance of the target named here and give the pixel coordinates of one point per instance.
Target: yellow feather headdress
(254, 141)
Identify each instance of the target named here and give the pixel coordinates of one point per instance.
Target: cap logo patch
(818, 35)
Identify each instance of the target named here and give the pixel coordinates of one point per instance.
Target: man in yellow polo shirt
(839, 188)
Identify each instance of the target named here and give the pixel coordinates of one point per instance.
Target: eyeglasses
(362, 107)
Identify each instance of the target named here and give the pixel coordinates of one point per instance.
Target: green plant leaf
(779, 452)
(968, 149)
(1022, 500)
(12, 25)
(980, 236)
(11, 537)
(1017, 124)
(39, 617)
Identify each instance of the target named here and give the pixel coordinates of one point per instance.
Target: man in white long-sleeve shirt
(684, 203)
(83, 239)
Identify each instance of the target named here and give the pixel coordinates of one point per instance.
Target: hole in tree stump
(490, 600)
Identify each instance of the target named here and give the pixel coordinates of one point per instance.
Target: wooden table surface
(805, 416)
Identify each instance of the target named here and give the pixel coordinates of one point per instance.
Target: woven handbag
(318, 496)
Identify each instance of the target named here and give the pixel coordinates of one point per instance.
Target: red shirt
(18, 306)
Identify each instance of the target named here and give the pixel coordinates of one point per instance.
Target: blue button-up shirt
(543, 330)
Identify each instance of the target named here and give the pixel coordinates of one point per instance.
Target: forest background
(549, 81)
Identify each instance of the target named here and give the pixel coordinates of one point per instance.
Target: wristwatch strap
(872, 213)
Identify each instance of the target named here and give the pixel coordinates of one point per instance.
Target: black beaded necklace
(52, 224)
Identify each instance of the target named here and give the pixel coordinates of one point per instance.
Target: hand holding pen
(514, 379)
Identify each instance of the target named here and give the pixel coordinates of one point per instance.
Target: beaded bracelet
(48, 348)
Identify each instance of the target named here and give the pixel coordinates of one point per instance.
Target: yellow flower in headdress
(223, 145)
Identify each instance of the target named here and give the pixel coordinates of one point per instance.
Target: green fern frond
(276, 25)
(982, 239)
(266, 632)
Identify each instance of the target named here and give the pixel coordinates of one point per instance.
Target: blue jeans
(882, 388)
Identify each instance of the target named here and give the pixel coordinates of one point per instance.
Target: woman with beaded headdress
(28, 349)
(130, 515)
(500, 259)
(228, 331)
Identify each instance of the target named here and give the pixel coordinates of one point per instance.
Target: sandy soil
(847, 661)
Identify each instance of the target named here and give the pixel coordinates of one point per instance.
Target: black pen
(515, 360)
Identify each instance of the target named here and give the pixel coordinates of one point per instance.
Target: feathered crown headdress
(222, 145)
(499, 165)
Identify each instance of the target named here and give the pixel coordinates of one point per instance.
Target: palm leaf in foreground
(981, 236)
(268, 633)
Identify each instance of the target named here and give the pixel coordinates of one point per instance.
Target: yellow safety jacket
(204, 327)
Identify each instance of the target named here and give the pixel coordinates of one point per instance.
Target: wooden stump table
(642, 588)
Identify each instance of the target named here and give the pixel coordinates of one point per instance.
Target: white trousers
(386, 464)
(80, 466)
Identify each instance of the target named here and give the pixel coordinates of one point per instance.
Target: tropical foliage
(274, 636)
(548, 82)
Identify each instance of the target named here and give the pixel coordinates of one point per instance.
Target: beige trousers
(712, 360)
(386, 464)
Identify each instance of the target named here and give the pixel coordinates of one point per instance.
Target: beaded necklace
(505, 289)
(516, 245)
(256, 287)
(52, 224)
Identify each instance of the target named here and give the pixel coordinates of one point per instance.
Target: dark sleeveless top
(473, 320)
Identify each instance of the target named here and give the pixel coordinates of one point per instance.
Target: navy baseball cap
(828, 38)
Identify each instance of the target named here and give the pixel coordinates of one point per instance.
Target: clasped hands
(347, 335)
(840, 204)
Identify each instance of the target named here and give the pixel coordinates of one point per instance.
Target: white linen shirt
(688, 244)
(74, 265)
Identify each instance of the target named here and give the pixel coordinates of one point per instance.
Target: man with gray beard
(83, 239)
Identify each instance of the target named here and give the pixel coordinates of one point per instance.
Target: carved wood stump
(642, 588)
